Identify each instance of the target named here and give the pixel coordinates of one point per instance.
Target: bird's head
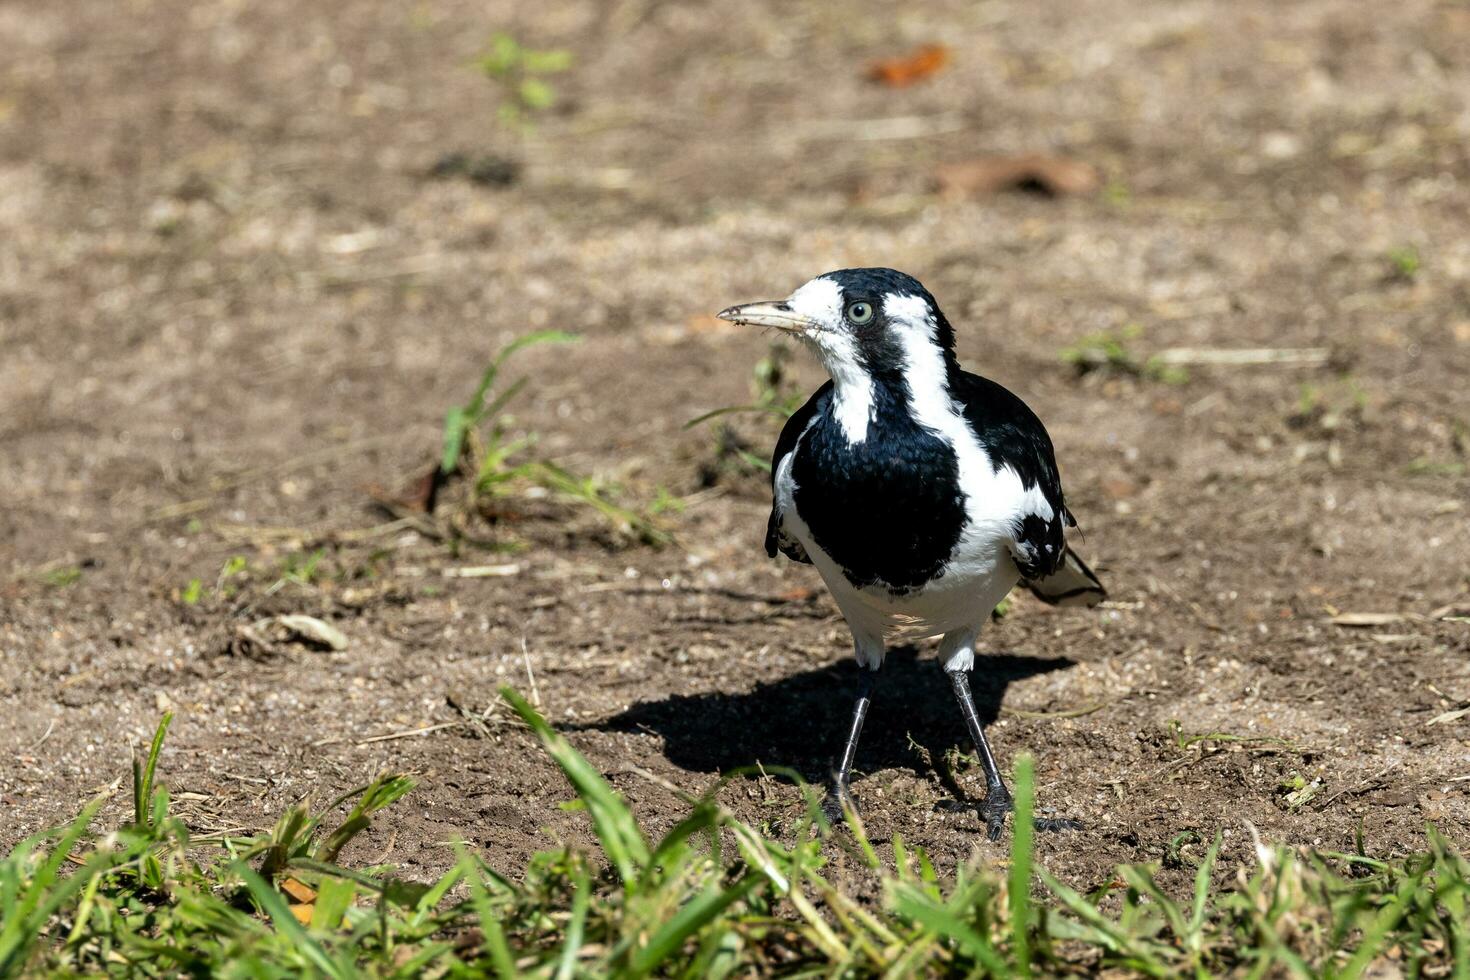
(871, 323)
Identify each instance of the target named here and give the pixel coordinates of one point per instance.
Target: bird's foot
(998, 803)
(839, 798)
(1055, 825)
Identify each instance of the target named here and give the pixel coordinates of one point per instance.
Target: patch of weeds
(665, 502)
(226, 583)
(594, 493)
(523, 92)
(1404, 263)
(1459, 445)
(62, 577)
(519, 75)
(476, 437)
(1213, 741)
(483, 411)
(1174, 852)
(1112, 351)
(714, 896)
(1329, 406)
(234, 566)
(1115, 194)
(302, 567)
(371, 566)
(1425, 466)
(1296, 791)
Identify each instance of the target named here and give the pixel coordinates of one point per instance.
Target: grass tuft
(475, 433)
(1113, 351)
(150, 898)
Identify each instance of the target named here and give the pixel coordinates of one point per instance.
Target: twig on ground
(1366, 784)
(390, 736)
(50, 727)
(482, 571)
(530, 675)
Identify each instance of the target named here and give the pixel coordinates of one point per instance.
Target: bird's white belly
(977, 577)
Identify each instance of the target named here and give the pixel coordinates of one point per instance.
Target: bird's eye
(860, 313)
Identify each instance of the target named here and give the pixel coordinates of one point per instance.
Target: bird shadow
(801, 721)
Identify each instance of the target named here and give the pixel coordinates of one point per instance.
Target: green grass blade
(416, 965)
(1018, 892)
(733, 410)
(612, 821)
(493, 407)
(455, 426)
(912, 903)
(47, 891)
(333, 898)
(672, 848)
(571, 946)
(1202, 886)
(753, 460)
(1101, 931)
(489, 921)
(430, 900)
(143, 793)
(532, 339)
(1376, 933)
(692, 917)
(380, 793)
(1142, 881)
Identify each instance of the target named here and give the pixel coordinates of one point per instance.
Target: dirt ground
(234, 305)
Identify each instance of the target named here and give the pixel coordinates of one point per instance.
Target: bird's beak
(776, 313)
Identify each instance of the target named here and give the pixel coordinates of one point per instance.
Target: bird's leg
(840, 796)
(998, 800)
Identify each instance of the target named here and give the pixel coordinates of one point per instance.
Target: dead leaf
(313, 630)
(1365, 619)
(302, 913)
(419, 497)
(1053, 176)
(917, 65)
(299, 891)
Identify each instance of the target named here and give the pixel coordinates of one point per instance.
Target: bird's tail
(1072, 584)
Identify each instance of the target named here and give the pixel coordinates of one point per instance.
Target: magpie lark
(922, 493)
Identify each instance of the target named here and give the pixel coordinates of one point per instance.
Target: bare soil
(234, 305)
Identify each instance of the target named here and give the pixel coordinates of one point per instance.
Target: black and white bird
(922, 493)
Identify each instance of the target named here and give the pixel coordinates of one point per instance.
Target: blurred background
(256, 257)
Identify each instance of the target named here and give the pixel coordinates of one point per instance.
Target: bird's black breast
(887, 509)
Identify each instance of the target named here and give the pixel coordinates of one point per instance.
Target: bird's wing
(1014, 438)
(777, 537)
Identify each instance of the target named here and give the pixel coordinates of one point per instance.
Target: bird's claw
(836, 803)
(1053, 825)
(998, 803)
